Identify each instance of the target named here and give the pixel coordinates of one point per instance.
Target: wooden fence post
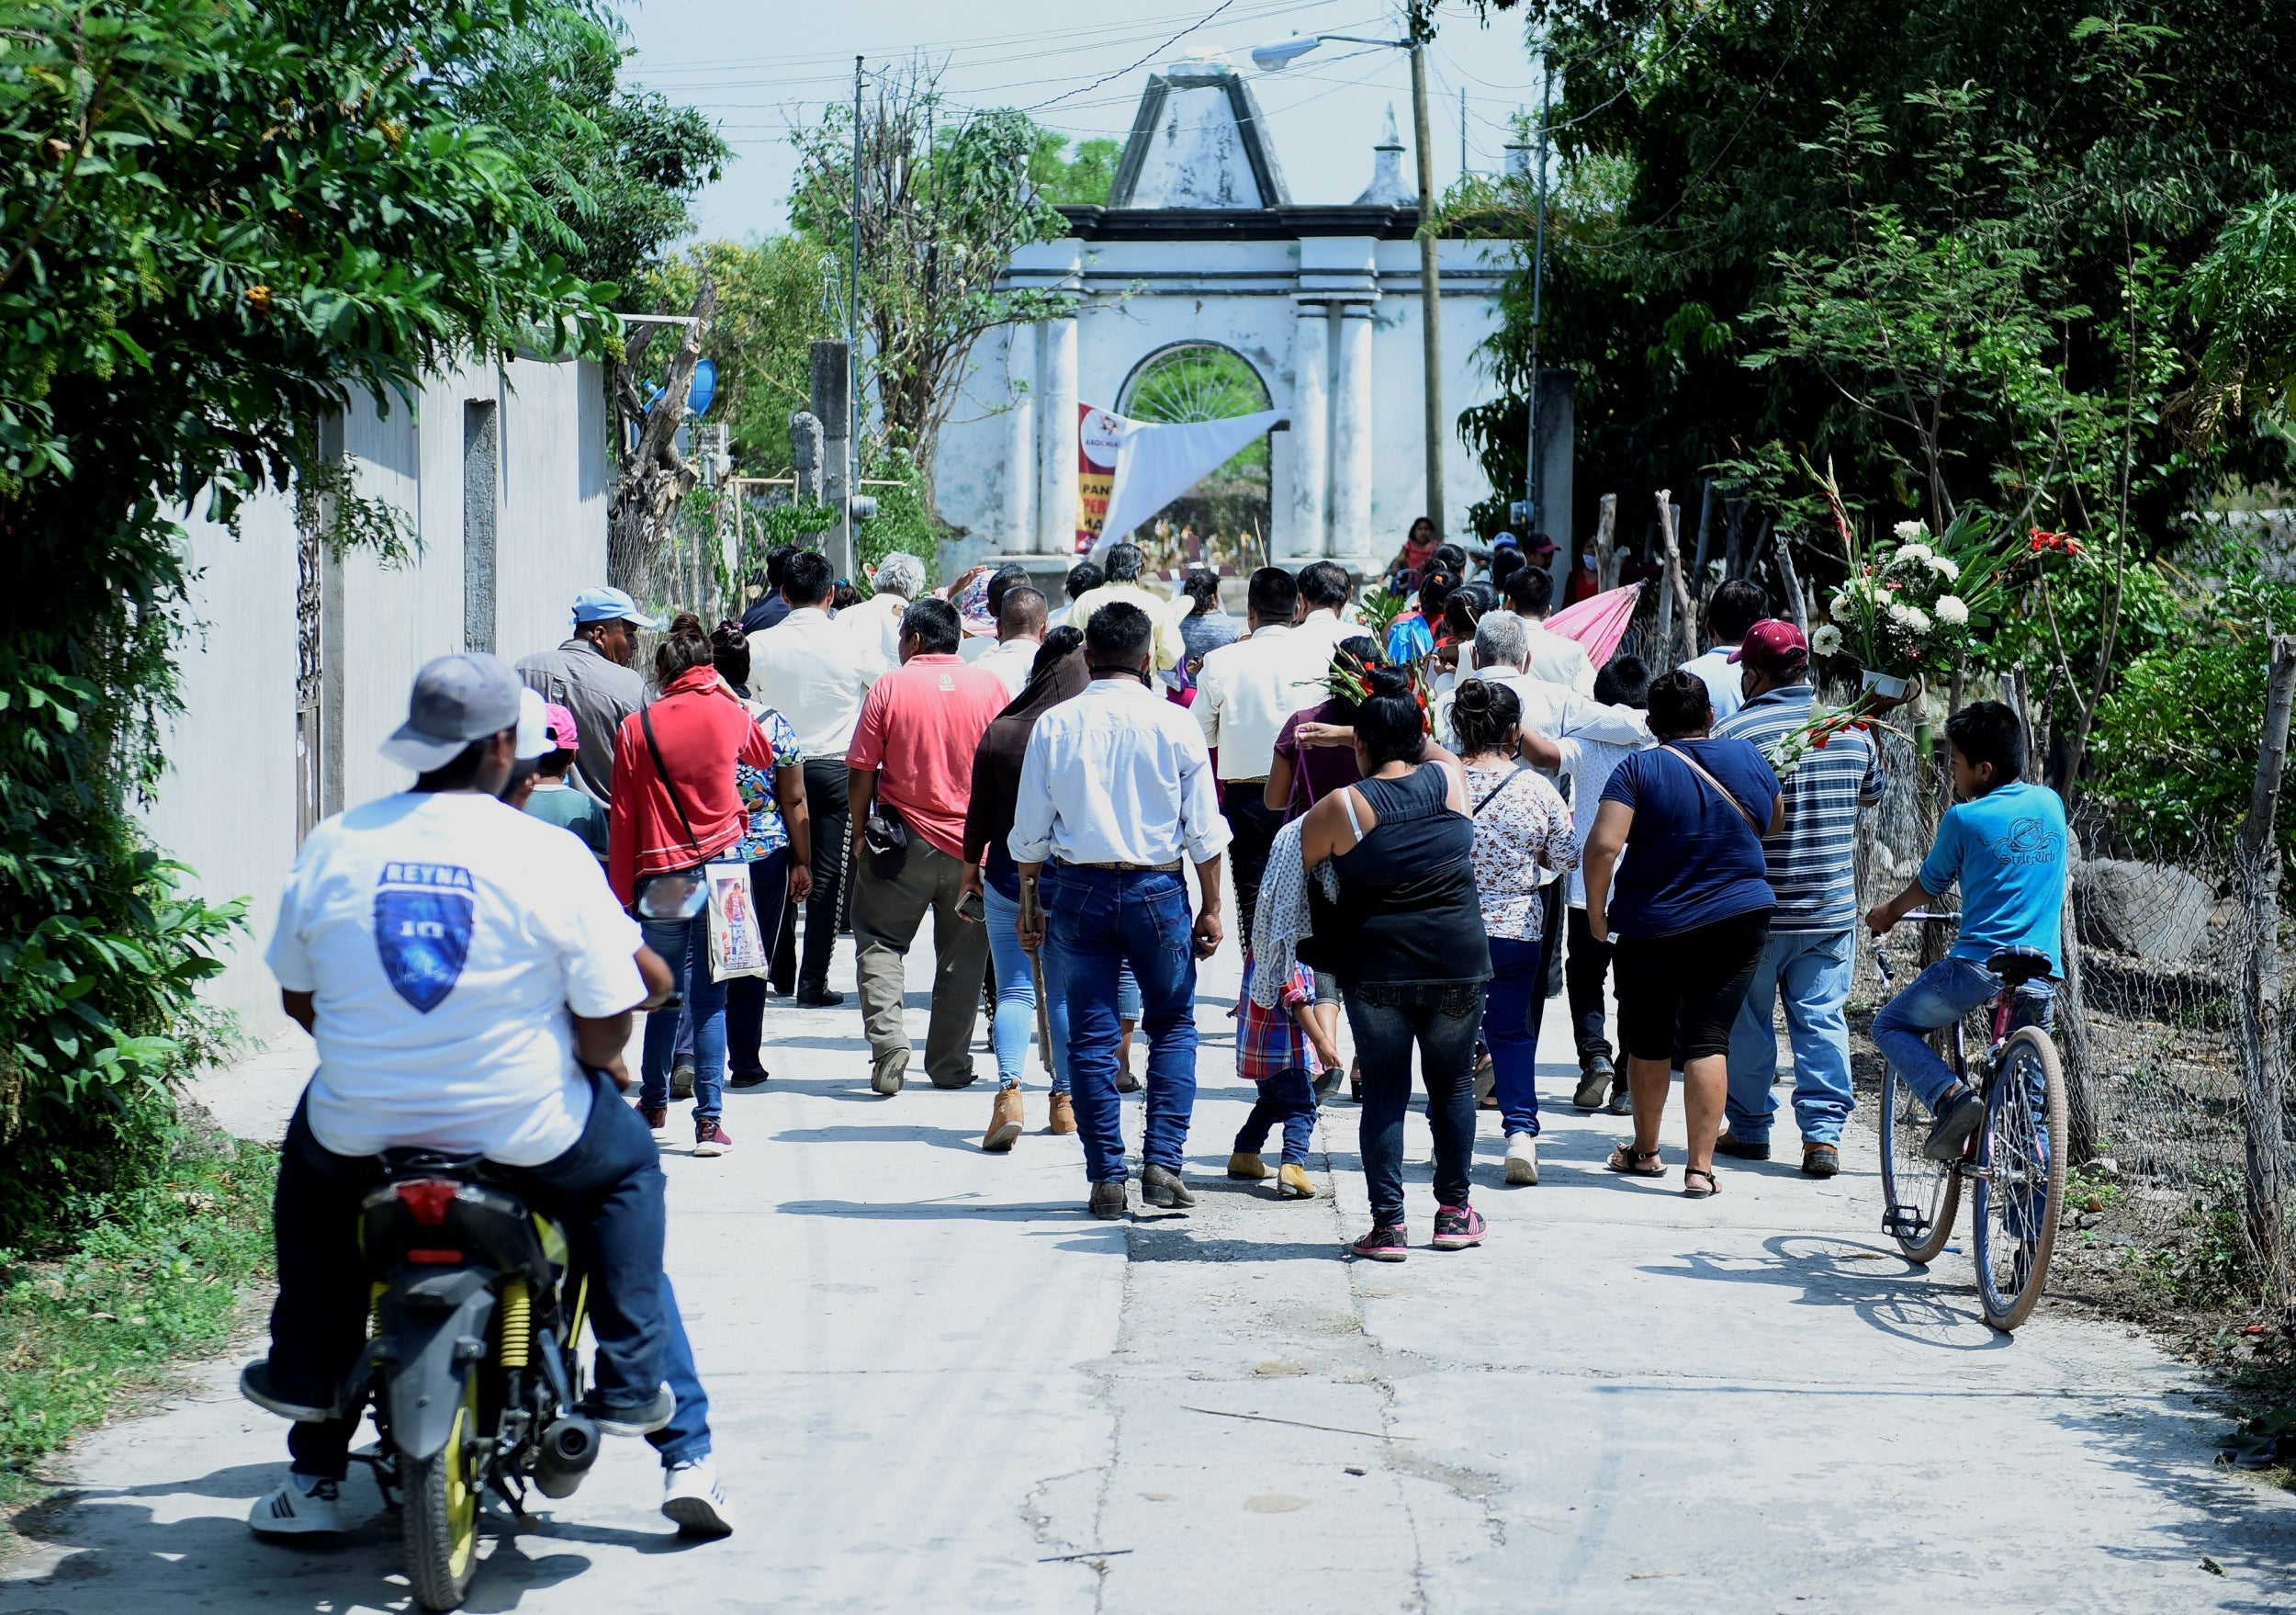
(1790, 580)
(1683, 602)
(2263, 1059)
(1605, 529)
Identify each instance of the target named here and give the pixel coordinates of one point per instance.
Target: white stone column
(1311, 425)
(1020, 470)
(1351, 436)
(1056, 441)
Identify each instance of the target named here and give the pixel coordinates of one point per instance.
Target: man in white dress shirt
(1244, 693)
(1116, 794)
(810, 669)
(1530, 592)
(1324, 625)
(1737, 606)
(1019, 635)
(875, 622)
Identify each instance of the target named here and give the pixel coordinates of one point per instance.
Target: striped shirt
(1813, 860)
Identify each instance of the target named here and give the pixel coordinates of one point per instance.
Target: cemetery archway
(1222, 521)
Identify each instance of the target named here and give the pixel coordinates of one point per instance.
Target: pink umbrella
(1598, 622)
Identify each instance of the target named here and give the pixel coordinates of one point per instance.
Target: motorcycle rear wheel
(439, 1513)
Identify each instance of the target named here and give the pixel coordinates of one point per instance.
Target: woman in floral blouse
(1523, 838)
(777, 845)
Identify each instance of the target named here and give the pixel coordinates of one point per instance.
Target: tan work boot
(1249, 1168)
(1064, 1115)
(1292, 1183)
(1005, 1119)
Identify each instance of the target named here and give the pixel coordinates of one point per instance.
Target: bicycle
(2011, 1157)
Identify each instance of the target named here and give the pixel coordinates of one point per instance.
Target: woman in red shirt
(675, 807)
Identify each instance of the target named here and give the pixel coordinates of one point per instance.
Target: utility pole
(1462, 131)
(1422, 16)
(852, 351)
(1531, 489)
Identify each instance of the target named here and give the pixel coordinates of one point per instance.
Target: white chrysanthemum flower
(1951, 608)
(1826, 642)
(1908, 531)
(1900, 613)
(1947, 569)
(1915, 552)
(1841, 607)
(1917, 619)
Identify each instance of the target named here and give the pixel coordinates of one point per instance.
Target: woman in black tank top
(1405, 938)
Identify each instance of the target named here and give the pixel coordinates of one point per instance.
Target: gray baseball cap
(455, 700)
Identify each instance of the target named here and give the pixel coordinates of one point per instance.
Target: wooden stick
(2263, 1057)
(1606, 573)
(1792, 580)
(1683, 604)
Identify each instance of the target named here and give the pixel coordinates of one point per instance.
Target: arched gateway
(1200, 282)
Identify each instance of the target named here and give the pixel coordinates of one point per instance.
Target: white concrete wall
(1144, 296)
(227, 804)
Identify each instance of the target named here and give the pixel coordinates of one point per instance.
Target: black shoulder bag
(674, 894)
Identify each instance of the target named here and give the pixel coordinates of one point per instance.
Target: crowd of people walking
(1428, 829)
(1430, 826)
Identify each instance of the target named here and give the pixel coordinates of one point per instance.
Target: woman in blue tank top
(1406, 939)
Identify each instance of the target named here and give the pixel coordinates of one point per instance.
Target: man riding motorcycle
(468, 979)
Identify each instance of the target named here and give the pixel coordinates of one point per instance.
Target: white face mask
(1588, 562)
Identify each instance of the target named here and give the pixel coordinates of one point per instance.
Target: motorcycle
(471, 1367)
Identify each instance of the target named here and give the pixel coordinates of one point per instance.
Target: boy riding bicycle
(2004, 841)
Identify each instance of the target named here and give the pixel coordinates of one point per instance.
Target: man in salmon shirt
(912, 751)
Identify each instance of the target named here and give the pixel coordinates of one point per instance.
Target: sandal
(1714, 1184)
(1635, 1163)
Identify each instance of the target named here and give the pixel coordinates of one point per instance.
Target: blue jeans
(676, 941)
(1939, 997)
(686, 1436)
(1441, 1018)
(1811, 969)
(1015, 1024)
(1102, 920)
(1287, 1099)
(607, 1189)
(1516, 986)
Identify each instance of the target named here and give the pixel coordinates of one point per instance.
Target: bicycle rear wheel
(1919, 1196)
(2020, 1178)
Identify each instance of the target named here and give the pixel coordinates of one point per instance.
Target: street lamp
(1278, 54)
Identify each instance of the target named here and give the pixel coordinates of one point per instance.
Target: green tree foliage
(771, 309)
(1703, 149)
(2177, 739)
(944, 198)
(617, 165)
(219, 220)
(1081, 176)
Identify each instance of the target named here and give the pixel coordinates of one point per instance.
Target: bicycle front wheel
(2020, 1177)
(1919, 1196)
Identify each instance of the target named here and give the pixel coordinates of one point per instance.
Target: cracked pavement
(938, 1384)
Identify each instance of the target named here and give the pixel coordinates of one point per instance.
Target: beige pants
(887, 914)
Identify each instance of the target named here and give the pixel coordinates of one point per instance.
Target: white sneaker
(1521, 1157)
(299, 1506)
(690, 1496)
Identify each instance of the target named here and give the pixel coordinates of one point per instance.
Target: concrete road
(937, 1385)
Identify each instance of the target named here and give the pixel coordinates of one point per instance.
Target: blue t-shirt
(1409, 639)
(2007, 849)
(1691, 857)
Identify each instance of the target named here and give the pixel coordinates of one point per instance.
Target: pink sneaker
(1458, 1227)
(1384, 1243)
(709, 1138)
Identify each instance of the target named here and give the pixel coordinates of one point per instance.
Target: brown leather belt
(1126, 868)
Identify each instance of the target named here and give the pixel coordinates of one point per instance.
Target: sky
(760, 66)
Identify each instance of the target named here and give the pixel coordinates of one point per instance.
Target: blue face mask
(1588, 562)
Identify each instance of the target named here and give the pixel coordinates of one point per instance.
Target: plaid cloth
(1270, 1040)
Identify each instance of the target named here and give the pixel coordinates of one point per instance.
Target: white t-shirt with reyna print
(445, 937)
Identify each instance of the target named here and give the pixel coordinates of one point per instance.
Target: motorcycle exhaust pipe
(570, 1446)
